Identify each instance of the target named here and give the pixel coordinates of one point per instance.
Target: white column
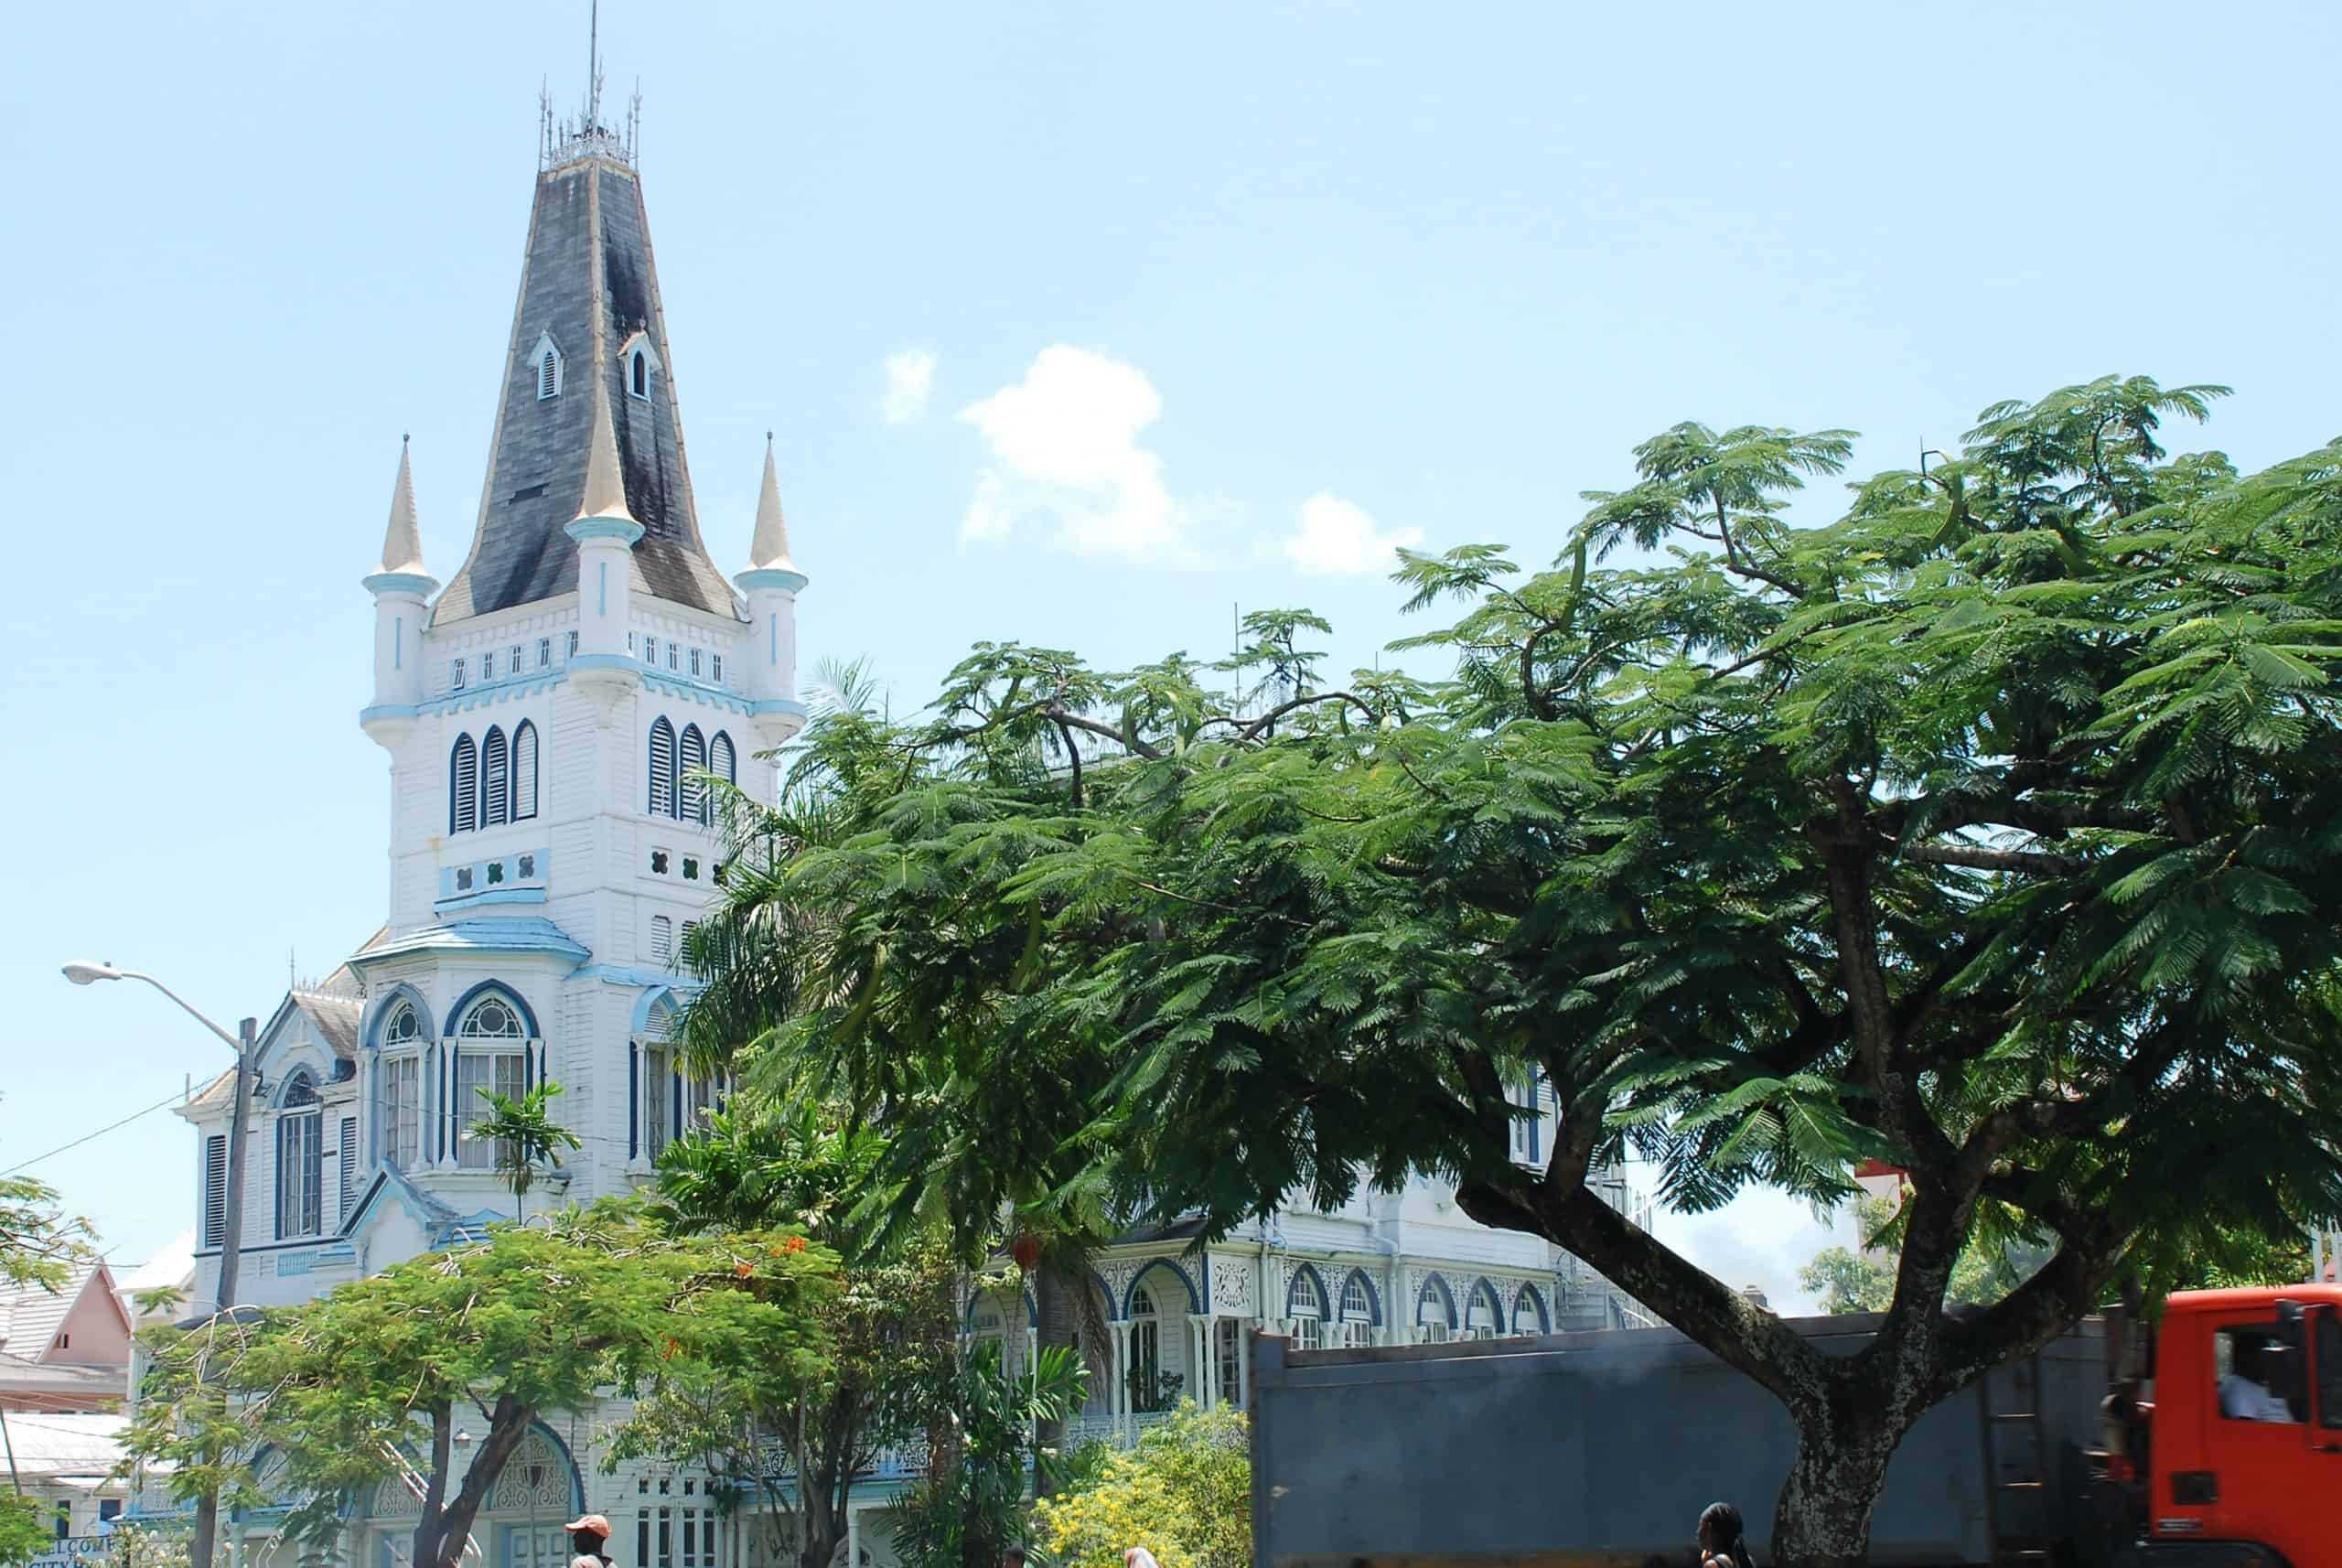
(1200, 1360)
(1032, 1347)
(1210, 1396)
(853, 1535)
(1120, 1405)
(1244, 1364)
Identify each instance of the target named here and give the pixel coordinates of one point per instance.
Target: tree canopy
(1989, 830)
(888, 1330)
(368, 1380)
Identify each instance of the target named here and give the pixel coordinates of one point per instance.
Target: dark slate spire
(589, 301)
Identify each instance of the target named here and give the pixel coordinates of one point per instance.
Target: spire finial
(402, 540)
(594, 65)
(604, 487)
(769, 547)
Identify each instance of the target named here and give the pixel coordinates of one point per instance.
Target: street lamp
(81, 972)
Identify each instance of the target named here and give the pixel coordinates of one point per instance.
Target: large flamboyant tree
(1992, 829)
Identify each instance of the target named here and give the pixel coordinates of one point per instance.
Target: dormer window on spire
(547, 359)
(638, 360)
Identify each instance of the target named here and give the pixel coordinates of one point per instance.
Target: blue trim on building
(1536, 1299)
(1436, 1284)
(634, 974)
(1195, 1296)
(778, 705)
(512, 934)
(780, 577)
(422, 583)
(1373, 1296)
(378, 1012)
(624, 529)
(1328, 1304)
(490, 895)
(499, 988)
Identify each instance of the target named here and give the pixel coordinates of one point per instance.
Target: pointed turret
(771, 586)
(605, 498)
(769, 549)
(402, 540)
(402, 591)
(605, 533)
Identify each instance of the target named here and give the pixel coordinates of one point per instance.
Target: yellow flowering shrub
(1186, 1495)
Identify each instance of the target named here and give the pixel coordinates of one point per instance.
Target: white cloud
(1337, 538)
(910, 378)
(1064, 444)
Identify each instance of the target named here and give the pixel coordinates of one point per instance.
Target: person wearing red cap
(586, 1533)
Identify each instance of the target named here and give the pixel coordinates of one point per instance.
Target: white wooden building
(547, 855)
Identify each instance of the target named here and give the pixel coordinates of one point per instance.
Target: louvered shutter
(524, 772)
(496, 779)
(215, 1192)
(720, 760)
(349, 1165)
(463, 794)
(663, 940)
(548, 375)
(694, 788)
(663, 768)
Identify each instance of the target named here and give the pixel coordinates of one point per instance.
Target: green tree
(1848, 1280)
(968, 1510)
(38, 1245)
(889, 1327)
(365, 1383)
(23, 1532)
(1185, 1494)
(994, 1162)
(525, 1135)
(1987, 829)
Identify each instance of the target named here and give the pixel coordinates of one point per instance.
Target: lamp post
(232, 1208)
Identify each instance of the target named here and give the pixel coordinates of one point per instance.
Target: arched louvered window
(549, 374)
(694, 788)
(524, 771)
(663, 768)
(720, 760)
(300, 1158)
(463, 786)
(639, 366)
(495, 780)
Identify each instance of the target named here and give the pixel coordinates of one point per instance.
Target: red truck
(2233, 1455)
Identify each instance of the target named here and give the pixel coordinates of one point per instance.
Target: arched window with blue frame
(463, 786)
(491, 1057)
(663, 768)
(693, 798)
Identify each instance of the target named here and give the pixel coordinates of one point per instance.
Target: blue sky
(1075, 324)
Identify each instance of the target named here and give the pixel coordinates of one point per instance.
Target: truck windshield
(2329, 1368)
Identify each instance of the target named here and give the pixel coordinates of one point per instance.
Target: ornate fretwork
(536, 1479)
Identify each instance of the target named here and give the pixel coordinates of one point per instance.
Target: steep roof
(30, 1315)
(589, 288)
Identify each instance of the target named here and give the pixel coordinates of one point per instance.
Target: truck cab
(2243, 1467)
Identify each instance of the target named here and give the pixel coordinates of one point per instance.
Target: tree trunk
(1058, 1304)
(507, 1424)
(1821, 1518)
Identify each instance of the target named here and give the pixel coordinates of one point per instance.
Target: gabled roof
(31, 1316)
(588, 288)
